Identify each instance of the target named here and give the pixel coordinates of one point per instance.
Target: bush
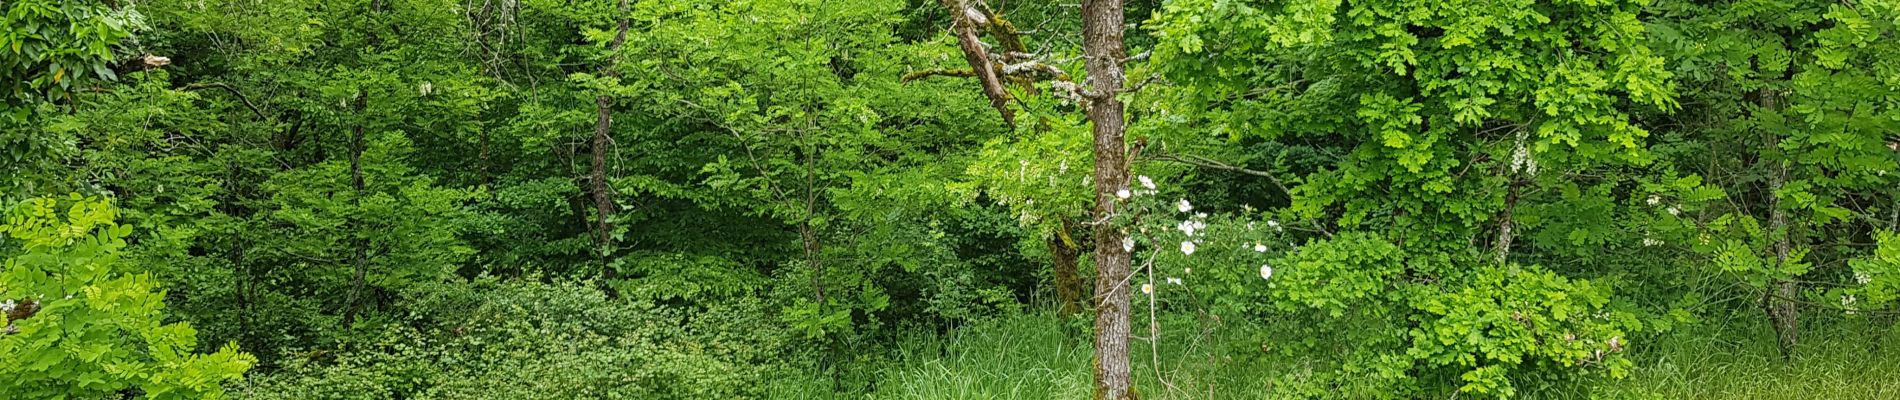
(77, 328)
(529, 340)
(1399, 325)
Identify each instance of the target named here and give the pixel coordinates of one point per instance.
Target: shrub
(77, 328)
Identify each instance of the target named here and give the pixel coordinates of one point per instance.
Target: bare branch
(234, 92)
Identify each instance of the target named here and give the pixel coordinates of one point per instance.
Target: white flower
(1187, 248)
(1275, 224)
(1187, 270)
(1200, 225)
(1200, 215)
(1186, 227)
(1674, 211)
(1128, 243)
(425, 88)
(1654, 200)
(1174, 281)
(1146, 182)
(1862, 277)
(1847, 302)
(1260, 248)
(1147, 288)
(1651, 242)
(1266, 271)
(1250, 225)
(1184, 206)
(1123, 194)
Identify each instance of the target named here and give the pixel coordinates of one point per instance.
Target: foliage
(48, 50)
(78, 328)
(802, 198)
(54, 44)
(529, 340)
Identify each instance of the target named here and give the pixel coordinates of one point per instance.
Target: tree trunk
(1103, 54)
(1779, 299)
(1506, 222)
(808, 236)
(1068, 284)
(603, 126)
(360, 259)
(1507, 219)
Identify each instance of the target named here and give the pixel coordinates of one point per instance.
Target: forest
(950, 199)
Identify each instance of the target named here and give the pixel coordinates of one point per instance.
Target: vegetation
(636, 199)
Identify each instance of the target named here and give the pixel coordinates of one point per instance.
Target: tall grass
(1848, 360)
(1041, 357)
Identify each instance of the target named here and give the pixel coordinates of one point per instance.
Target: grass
(1850, 361)
(1040, 357)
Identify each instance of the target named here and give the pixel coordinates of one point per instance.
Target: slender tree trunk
(488, 175)
(1103, 53)
(808, 235)
(239, 276)
(1068, 282)
(1506, 219)
(1506, 222)
(597, 180)
(1779, 299)
(360, 258)
(603, 126)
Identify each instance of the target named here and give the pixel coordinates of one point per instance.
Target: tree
(1103, 53)
(1795, 89)
(603, 129)
(1461, 114)
(49, 49)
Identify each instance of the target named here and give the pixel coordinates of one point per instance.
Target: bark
(1068, 282)
(967, 21)
(1506, 221)
(603, 126)
(1103, 53)
(1779, 299)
